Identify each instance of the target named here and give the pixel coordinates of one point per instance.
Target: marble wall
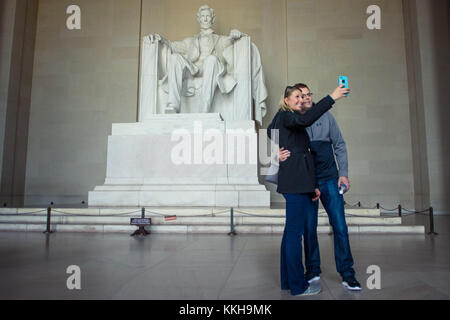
(84, 80)
(7, 14)
(431, 60)
(18, 33)
(328, 38)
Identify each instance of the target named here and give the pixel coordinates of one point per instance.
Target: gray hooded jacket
(326, 142)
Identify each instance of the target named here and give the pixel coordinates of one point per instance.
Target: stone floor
(214, 267)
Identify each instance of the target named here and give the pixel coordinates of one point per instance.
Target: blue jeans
(298, 207)
(333, 202)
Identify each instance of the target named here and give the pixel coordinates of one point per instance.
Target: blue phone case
(343, 80)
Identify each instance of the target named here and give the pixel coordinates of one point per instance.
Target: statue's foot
(206, 109)
(170, 109)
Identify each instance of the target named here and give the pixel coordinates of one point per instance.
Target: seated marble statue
(200, 64)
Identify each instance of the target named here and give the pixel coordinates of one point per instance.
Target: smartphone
(343, 80)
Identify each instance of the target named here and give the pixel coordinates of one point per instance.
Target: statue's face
(205, 19)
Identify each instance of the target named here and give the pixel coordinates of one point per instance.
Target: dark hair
(301, 86)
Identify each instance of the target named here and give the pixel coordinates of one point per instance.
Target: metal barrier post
(49, 213)
(399, 210)
(141, 230)
(232, 232)
(432, 222)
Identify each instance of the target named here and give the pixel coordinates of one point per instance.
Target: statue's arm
(232, 38)
(235, 35)
(156, 37)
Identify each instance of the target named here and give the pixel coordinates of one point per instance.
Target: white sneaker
(312, 290)
(316, 278)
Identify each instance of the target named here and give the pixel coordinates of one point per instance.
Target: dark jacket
(326, 144)
(297, 174)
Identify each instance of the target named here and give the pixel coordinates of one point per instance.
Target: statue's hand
(236, 34)
(155, 37)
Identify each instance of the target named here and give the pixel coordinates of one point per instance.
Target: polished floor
(214, 267)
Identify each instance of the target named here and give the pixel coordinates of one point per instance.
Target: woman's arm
(296, 119)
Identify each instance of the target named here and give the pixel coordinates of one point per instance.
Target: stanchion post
(359, 204)
(49, 213)
(399, 210)
(432, 222)
(141, 230)
(232, 232)
(378, 205)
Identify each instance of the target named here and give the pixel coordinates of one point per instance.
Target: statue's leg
(175, 81)
(211, 67)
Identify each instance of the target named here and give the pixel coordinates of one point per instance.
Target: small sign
(140, 221)
(168, 218)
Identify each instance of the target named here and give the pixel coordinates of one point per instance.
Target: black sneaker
(311, 277)
(351, 284)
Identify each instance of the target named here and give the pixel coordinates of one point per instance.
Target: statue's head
(206, 17)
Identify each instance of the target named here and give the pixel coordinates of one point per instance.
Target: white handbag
(272, 172)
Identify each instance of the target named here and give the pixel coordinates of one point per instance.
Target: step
(185, 220)
(221, 229)
(189, 220)
(174, 211)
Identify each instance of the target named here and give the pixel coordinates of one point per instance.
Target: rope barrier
(358, 204)
(203, 215)
(395, 209)
(347, 215)
(90, 215)
(353, 205)
(16, 214)
(212, 214)
(399, 209)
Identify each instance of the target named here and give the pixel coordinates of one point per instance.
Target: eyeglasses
(307, 95)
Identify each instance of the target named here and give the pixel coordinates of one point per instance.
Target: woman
(297, 182)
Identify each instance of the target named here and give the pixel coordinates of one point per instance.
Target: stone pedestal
(182, 160)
